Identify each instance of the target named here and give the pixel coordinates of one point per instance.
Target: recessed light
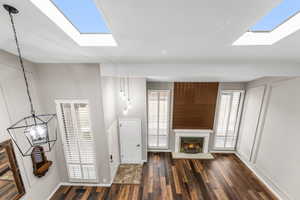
(164, 52)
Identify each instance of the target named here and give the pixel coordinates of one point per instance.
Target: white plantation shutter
(152, 118)
(85, 137)
(226, 133)
(74, 171)
(163, 119)
(158, 123)
(231, 130)
(88, 172)
(78, 141)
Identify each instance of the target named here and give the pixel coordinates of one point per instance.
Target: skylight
(277, 16)
(281, 22)
(79, 19)
(83, 14)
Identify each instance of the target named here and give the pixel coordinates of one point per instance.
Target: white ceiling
(203, 72)
(157, 31)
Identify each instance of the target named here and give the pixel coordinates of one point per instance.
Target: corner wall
(14, 105)
(109, 95)
(80, 81)
(114, 105)
(276, 143)
(139, 107)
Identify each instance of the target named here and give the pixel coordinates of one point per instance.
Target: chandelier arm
(14, 140)
(21, 62)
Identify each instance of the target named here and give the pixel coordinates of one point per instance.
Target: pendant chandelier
(125, 94)
(34, 130)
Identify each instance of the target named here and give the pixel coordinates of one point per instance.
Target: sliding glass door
(158, 119)
(228, 120)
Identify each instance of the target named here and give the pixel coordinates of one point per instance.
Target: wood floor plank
(87, 192)
(224, 178)
(176, 180)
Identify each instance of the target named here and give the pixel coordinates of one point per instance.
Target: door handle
(138, 145)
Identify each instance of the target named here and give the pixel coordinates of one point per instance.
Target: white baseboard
(87, 184)
(264, 179)
(53, 192)
(114, 174)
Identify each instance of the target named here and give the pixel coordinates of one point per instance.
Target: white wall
(275, 150)
(113, 105)
(114, 149)
(109, 95)
(139, 108)
(251, 115)
(63, 81)
(14, 106)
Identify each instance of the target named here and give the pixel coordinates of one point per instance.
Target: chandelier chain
(21, 63)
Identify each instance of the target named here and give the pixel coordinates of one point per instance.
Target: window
(279, 23)
(78, 142)
(158, 119)
(81, 20)
(277, 16)
(228, 119)
(83, 14)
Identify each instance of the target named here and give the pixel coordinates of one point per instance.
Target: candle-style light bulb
(123, 96)
(37, 134)
(121, 93)
(129, 104)
(125, 111)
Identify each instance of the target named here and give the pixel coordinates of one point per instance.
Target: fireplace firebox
(191, 145)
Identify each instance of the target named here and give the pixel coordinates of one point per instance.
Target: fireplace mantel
(204, 133)
(193, 131)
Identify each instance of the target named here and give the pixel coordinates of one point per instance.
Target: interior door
(130, 140)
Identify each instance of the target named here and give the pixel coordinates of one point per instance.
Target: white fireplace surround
(199, 133)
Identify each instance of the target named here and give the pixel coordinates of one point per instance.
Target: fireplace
(191, 142)
(191, 145)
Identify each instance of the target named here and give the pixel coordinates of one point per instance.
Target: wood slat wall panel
(194, 105)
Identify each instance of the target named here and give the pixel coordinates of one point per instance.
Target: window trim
(58, 102)
(168, 119)
(237, 125)
(58, 18)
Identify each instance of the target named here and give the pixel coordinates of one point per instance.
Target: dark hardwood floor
(223, 178)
